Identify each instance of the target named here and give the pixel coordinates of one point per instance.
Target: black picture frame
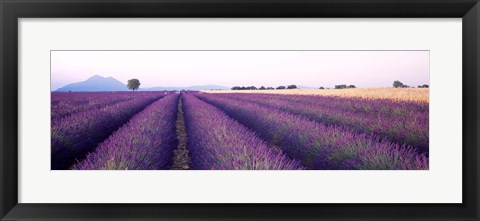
(11, 10)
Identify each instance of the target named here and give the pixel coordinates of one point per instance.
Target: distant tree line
(244, 88)
(398, 84)
(340, 86)
(292, 86)
(344, 86)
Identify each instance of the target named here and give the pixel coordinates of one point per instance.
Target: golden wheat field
(399, 94)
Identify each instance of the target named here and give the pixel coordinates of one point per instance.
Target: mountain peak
(95, 77)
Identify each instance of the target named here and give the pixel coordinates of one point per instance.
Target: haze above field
(99, 83)
(184, 69)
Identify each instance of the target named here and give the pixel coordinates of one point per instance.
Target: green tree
(398, 84)
(133, 84)
(423, 86)
(292, 86)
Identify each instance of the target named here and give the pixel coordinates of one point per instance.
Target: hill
(96, 83)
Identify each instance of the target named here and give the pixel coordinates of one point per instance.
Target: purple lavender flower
(319, 146)
(65, 104)
(397, 121)
(77, 134)
(146, 142)
(217, 142)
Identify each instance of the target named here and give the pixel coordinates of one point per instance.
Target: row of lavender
(65, 104)
(217, 142)
(75, 135)
(317, 145)
(146, 142)
(219, 137)
(400, 122)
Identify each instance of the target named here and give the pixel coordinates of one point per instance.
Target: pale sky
(243, 68)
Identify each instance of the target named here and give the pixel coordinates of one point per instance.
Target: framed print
(319, 110)
(85, 113)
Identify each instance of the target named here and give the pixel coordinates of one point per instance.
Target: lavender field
(163, 130)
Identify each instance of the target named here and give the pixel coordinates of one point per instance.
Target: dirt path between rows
(181, 160)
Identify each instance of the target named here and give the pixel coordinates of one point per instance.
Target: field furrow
(146, 142)
(181, 158)
(217, 142)
(319, 146)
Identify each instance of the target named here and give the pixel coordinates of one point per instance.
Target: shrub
(398, 84)
(292, 86)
